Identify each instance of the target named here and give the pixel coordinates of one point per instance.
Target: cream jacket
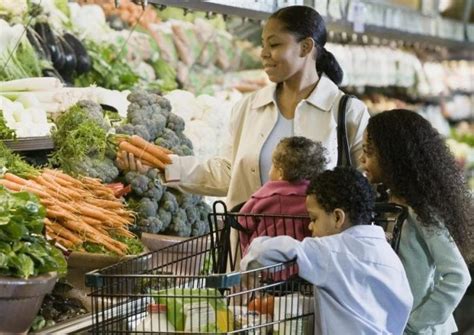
(236, 172)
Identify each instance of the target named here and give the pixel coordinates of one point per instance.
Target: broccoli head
(179, 224)
(168, 202)
(147, 207)
(204, 210)
(156, 124)
(185, 140)
(139, 184)
(199, 228)
(192, 214)
(182, 150)
(165, 217)
(168, 139)
(151, 225)
(95, 112)
(186, 199)
(103, 169)
(175, 123)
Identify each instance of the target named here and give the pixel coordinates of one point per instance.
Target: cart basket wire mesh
(195, 286)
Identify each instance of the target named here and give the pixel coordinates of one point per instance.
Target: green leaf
(24, 265)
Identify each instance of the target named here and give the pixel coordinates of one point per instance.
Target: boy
(360, 284)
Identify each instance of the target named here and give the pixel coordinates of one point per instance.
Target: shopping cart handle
(226, 280)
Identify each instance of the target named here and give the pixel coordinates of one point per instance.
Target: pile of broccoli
(81, 143)
(161, 209)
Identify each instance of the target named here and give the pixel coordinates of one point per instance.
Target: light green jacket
(437, 274)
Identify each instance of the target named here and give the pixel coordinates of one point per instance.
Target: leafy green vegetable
(24, 252)
(77, 136)
(12, 162)
(5, 132)
(109, 68)
(135, 247)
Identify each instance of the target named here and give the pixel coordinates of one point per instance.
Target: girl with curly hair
(404, 152)
(294, 161)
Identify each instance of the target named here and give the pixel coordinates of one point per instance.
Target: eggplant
(54, 46)
(70, 61)
(84, 63)
(38, 44)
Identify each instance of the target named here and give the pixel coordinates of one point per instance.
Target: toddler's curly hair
(299, 158)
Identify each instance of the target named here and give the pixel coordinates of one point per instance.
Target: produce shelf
(262, 9)
(30, 143)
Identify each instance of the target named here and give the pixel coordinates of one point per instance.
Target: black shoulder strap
(343, 152)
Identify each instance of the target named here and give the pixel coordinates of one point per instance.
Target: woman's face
(281, 52)
(369, 160)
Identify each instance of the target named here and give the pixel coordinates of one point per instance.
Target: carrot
(140, 153)
(94, 235)
(91, 212)
(151, 148)
(61, 175)
(91, 221)
(19, 188)
(63, 232)
(110, 204)
(63, 242)
(58, 181)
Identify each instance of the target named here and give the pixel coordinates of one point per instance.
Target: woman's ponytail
(303, 22)
(326, 63)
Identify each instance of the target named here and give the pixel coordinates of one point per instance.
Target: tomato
(262, 305)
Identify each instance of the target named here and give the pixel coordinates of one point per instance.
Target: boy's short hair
(299, 158)
(344, 188)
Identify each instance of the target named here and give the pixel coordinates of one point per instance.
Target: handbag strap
(343, 152)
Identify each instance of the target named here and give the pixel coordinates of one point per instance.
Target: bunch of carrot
(77, 210)
(148, 153)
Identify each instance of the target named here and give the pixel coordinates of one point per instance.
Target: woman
(303, 101)
(405, 153)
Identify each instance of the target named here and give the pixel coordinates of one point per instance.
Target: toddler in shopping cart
(294, 160)
(360, 285)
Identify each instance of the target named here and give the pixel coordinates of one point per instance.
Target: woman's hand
(127, 162)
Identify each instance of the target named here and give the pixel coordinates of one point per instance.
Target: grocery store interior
(99, 97)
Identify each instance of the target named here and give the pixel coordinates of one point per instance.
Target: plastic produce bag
(196, 309)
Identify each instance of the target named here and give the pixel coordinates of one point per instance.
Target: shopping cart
(189, 280)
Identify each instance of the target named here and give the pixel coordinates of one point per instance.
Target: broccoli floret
(153, 174)
(143, 132)
(130, 176)
(192, 214)
(127, 129)
(142, 98)
(156, 125)
(204, 209)
(140, 184)
(175, 123)
(147, 207)
(186, 199)
(185, 140)
(154, 193)
(95, 112)
(199, 228)
(179, 224)
(104, 169)
(165, 217)
(169, 203)
(182, 150)
(151, 225)
(168, 139)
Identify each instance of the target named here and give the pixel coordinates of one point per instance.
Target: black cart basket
(185, 288)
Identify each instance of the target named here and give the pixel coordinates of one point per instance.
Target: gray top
(283, 128)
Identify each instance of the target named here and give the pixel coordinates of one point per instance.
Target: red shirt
(276, 198)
